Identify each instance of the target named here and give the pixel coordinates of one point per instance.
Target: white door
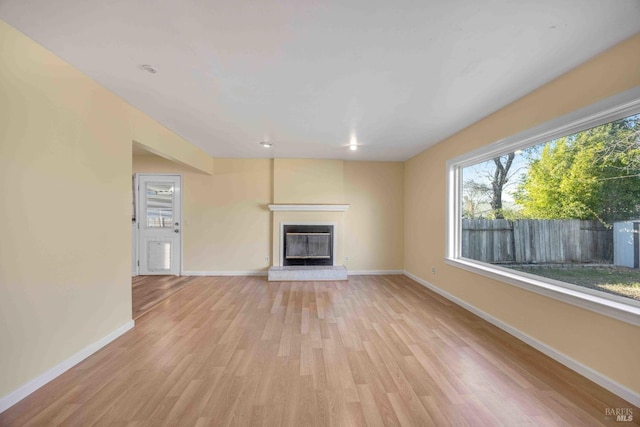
(159, 224)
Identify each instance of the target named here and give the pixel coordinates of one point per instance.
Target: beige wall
(65, 182)
(374, 237)
(228, 227)
(65, 165)
(603, 344)
(308, 181)
(370, 234)
(226, 222)
(161, 141)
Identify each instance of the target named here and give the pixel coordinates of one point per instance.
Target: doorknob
(177, 224)
(176, 231)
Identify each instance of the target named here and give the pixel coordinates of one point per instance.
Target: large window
(556, 209)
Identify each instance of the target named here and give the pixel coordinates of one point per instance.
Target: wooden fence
(536, 241)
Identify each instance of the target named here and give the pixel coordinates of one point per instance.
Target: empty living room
(415, 213)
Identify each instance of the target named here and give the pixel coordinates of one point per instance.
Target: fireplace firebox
(307, 245)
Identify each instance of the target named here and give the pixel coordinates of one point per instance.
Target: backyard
(566, 209)
(620, 281)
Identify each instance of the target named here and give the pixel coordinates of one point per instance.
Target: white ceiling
(306, 75)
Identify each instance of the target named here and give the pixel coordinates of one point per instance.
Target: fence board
(536, 241)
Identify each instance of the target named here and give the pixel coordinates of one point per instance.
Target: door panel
(159, 255)
(160, 225)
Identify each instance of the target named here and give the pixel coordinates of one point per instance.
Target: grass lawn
(614, 280)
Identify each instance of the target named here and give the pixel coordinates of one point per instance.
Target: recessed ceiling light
(149, 68)
(266, 144)
(353, 142)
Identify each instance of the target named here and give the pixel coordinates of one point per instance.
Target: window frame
(599, 113)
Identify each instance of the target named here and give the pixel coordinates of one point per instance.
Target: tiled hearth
(307, 272)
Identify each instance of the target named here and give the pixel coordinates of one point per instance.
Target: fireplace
(307, 244)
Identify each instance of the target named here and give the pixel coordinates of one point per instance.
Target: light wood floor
(376, 350)
(147, 291)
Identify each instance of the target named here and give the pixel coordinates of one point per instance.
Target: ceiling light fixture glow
(266, 144)
(353, 142)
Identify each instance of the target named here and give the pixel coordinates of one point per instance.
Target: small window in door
(159, 205)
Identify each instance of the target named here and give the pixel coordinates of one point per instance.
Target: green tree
(594, 174)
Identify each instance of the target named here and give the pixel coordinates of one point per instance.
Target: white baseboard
(584, 370)
(264, 273)
(373, 272)
(25, 390)
(225, 273)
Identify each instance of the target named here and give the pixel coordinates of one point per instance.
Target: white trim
(135, 256)
(25, 390)
(374, 272)
(335, 240)
(453, 211)
(134, 248)
(264, 273)
(308, 207)
(619, 308)
(226, 273)
(610, 109)
(584, 370)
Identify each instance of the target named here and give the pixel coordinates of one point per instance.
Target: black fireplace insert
(308, 245)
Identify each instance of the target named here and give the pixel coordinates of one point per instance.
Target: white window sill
(619, 308)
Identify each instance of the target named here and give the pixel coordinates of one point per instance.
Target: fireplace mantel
(307, 207)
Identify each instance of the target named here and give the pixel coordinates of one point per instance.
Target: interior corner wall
(606, 345)
(161, 141)
(374, 223)
(65, 171)
(226, 222)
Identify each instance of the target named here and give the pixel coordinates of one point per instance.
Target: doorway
(157, 233)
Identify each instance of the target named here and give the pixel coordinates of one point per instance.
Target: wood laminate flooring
(376, 350)
(147, 291)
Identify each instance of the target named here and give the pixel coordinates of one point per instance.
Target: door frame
(135, 235)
